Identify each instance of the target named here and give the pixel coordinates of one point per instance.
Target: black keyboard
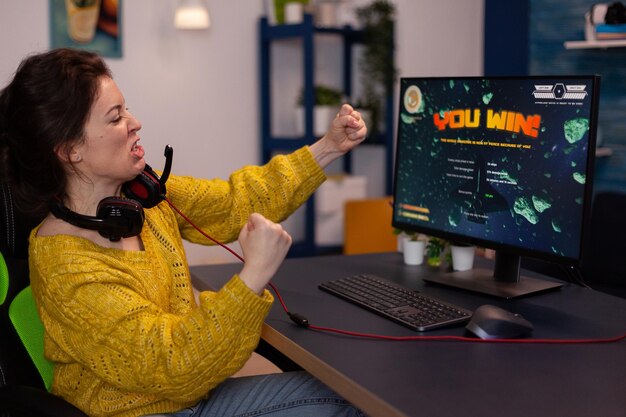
(405, 306)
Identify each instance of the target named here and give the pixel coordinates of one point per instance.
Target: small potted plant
(435, 248)
(412, 245)
(462, 256)
(327, 103)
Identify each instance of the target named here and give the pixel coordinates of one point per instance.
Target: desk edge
(365, 400)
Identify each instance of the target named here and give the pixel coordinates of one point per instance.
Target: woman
(121, 323)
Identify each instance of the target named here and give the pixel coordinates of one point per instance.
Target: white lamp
(192, 15)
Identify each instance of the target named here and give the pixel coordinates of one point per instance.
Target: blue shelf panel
(271, 144)
(284, 143)
(275, 32)
(269, 32)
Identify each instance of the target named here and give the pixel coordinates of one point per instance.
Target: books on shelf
(606, 31)
(596, 27)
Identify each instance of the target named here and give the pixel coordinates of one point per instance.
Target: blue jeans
(286, 394)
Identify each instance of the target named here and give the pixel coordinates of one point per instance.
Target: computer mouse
(492, 322)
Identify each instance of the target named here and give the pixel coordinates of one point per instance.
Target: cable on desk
(302, 321)
(467, 339)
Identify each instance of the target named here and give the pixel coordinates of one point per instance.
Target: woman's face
(110, 154)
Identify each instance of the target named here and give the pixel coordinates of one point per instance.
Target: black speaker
(120, 217)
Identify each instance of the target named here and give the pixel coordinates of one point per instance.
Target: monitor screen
(501, 162)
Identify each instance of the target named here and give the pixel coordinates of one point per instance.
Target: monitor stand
(504, 281)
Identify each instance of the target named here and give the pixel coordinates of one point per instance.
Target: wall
(552, 22)
(199, 90)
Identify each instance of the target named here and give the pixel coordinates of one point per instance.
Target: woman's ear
(75, 156)
(68, 154)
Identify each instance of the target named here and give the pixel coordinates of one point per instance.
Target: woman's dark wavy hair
(43, 110)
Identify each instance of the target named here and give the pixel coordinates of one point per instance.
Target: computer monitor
(499, 162)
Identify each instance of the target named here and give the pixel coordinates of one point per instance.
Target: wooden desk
(433, 379)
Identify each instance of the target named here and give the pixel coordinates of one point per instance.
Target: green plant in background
(434, 249)
(279, 7)
(324, 96)
(378, 71)
(411, 235)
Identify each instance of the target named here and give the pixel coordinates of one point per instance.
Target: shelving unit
(618, 43)
(270, 144)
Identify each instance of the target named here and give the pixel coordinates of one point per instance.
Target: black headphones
(118, 217)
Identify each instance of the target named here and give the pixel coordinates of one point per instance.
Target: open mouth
(137, 150)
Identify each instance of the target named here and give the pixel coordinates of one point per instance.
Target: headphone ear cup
(115, 218)
(121, 217)
(145, 188)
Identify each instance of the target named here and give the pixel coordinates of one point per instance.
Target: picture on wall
(89, 24)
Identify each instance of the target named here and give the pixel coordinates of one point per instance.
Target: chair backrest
(14, 226)
(4, 280)
(368, 226)
(25, 318)
(16, 366)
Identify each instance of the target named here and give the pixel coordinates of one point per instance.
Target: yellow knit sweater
(122, 327)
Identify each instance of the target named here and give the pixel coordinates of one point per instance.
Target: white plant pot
(322, 118)
(413, 251)
(462, 257)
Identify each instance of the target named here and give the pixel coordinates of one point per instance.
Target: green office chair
(29, 328)
(25, 374)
